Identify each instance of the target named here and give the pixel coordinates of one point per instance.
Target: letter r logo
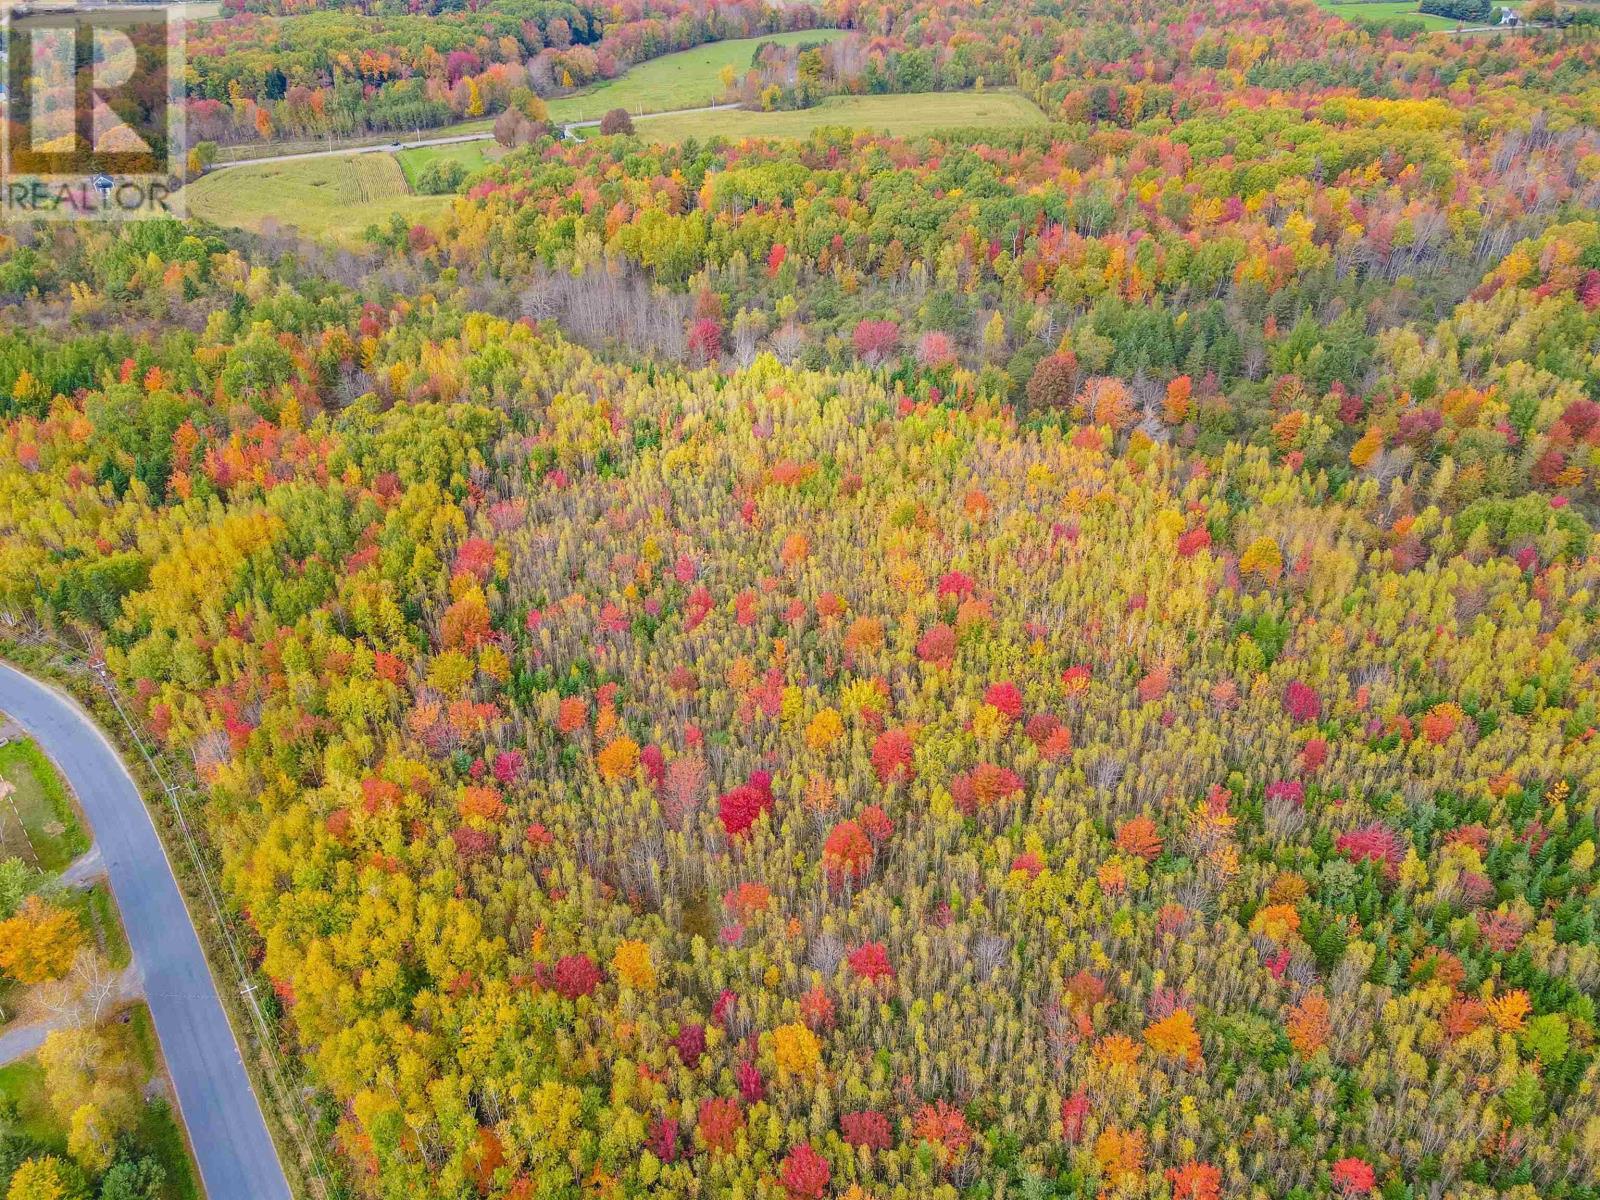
(94, 94)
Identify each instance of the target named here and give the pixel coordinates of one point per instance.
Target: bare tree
(84, 996)
(788, 342)
(748, 326)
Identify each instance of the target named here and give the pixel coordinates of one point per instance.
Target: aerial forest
(1057, 662)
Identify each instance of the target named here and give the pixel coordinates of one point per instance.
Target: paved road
(22, 1040)
(231, 1143)
(453, 139)
(82, 871)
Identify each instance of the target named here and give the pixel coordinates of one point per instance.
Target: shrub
(440, 178)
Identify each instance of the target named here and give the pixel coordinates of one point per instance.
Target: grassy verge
(97, 913)
(159, 1131)
(900, 116)
(38, 822)
(142, 1031)
(56, 667)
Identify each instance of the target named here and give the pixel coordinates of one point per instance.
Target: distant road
(454, 139)
(344, 151)
(231, 1144)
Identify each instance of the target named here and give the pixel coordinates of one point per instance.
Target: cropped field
(901, 116)
(684, 80)
(334, 198)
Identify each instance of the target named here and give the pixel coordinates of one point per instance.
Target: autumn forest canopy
(1041, 662)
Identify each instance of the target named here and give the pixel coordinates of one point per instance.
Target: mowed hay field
(1386, 11)
(687, 79)
(332, 198)
(474, 156)
(899, 116)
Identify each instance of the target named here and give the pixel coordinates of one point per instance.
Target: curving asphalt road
(231, 1144)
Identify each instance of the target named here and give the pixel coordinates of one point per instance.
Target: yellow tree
(45, 1178)
(39, 943)
(92, 1082)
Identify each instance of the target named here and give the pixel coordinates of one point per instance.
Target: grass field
(22, 1088)
(688, 79)
(1385, 11)
(901, 116)
(474, 156)
(333, 198)
(37, 823)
